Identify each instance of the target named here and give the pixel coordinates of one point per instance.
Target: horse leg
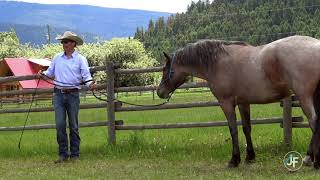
(308, 159)
(316, 146)
(316, 102)
(307, 105)
(228, 107)
(315, 141)
(246, 127)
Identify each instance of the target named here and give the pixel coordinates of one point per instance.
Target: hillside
(104, 22)
(256, 22)
(37, 35)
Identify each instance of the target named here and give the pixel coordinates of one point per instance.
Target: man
(69, 69)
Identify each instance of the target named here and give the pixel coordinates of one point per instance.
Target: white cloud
(152, 5)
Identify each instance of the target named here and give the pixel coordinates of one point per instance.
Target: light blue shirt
(72, 71)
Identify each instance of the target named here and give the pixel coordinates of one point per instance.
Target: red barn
(23, 67)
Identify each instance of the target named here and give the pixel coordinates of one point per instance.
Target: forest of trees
(254, 21)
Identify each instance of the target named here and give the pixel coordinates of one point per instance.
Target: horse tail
(316, 101)
(314, 146)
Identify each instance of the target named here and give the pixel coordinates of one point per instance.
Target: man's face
(68, 45)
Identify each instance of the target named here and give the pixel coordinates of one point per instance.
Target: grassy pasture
(197, 153)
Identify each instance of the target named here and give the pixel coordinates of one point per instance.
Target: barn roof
(41, 62)
(23, 67)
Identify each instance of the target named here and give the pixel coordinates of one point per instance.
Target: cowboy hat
(71, 36)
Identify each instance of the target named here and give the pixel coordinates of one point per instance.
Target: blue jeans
(67, 104)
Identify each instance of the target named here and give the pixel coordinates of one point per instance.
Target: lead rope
(105, 100)
(25, 122)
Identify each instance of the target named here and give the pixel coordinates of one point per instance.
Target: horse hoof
(249, 161)
(307, 161)
(250, 158)
(316, 165)
(233, 163)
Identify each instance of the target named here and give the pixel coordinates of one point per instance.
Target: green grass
(197, 153)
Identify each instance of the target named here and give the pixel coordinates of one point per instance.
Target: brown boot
(61, 159)
(74, 158)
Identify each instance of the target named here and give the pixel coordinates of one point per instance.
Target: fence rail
(53, 126)
(42, 91)
(48, 109)
(120, 126)
(202, 124)
(35, 76)
(92, 69)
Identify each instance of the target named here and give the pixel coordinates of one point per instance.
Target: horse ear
(167, 56)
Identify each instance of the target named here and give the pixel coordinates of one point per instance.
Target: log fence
(287, 122)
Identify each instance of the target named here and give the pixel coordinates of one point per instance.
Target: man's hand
(93, 85)
(40, 74)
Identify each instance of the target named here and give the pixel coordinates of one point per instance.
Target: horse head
(173, 76)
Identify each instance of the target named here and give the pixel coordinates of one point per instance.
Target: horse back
(292, 63)
(267, 73)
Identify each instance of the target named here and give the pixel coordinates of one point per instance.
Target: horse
(239, 74)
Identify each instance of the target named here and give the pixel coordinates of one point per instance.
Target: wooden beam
(110, 104)
(298, 125)
(17, 78)
(136, 71)
(92, 69)
(167, 106)
(49, 109)
(287, 122)
(150, 88)
(200, 124)
(43, 91)
(120, 126)
(53, 126)
(100, 87)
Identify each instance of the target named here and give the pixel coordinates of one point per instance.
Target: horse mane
(203, 52)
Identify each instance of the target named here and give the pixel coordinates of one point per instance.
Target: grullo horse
(240, 74)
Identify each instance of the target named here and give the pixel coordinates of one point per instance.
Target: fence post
(110, 103)
(287, 121)
(153, 98)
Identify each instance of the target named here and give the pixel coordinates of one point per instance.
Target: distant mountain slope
(37, 35)
(105, 22)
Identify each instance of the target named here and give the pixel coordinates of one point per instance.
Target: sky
(172, 6)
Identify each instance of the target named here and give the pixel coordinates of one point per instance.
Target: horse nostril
(161, 94)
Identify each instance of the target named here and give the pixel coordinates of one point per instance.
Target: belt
(66, 91)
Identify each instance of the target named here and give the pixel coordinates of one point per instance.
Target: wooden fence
(287, 121)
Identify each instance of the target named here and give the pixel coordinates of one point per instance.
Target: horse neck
(199, 72)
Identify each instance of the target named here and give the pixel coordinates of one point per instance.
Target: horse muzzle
(162, 93)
